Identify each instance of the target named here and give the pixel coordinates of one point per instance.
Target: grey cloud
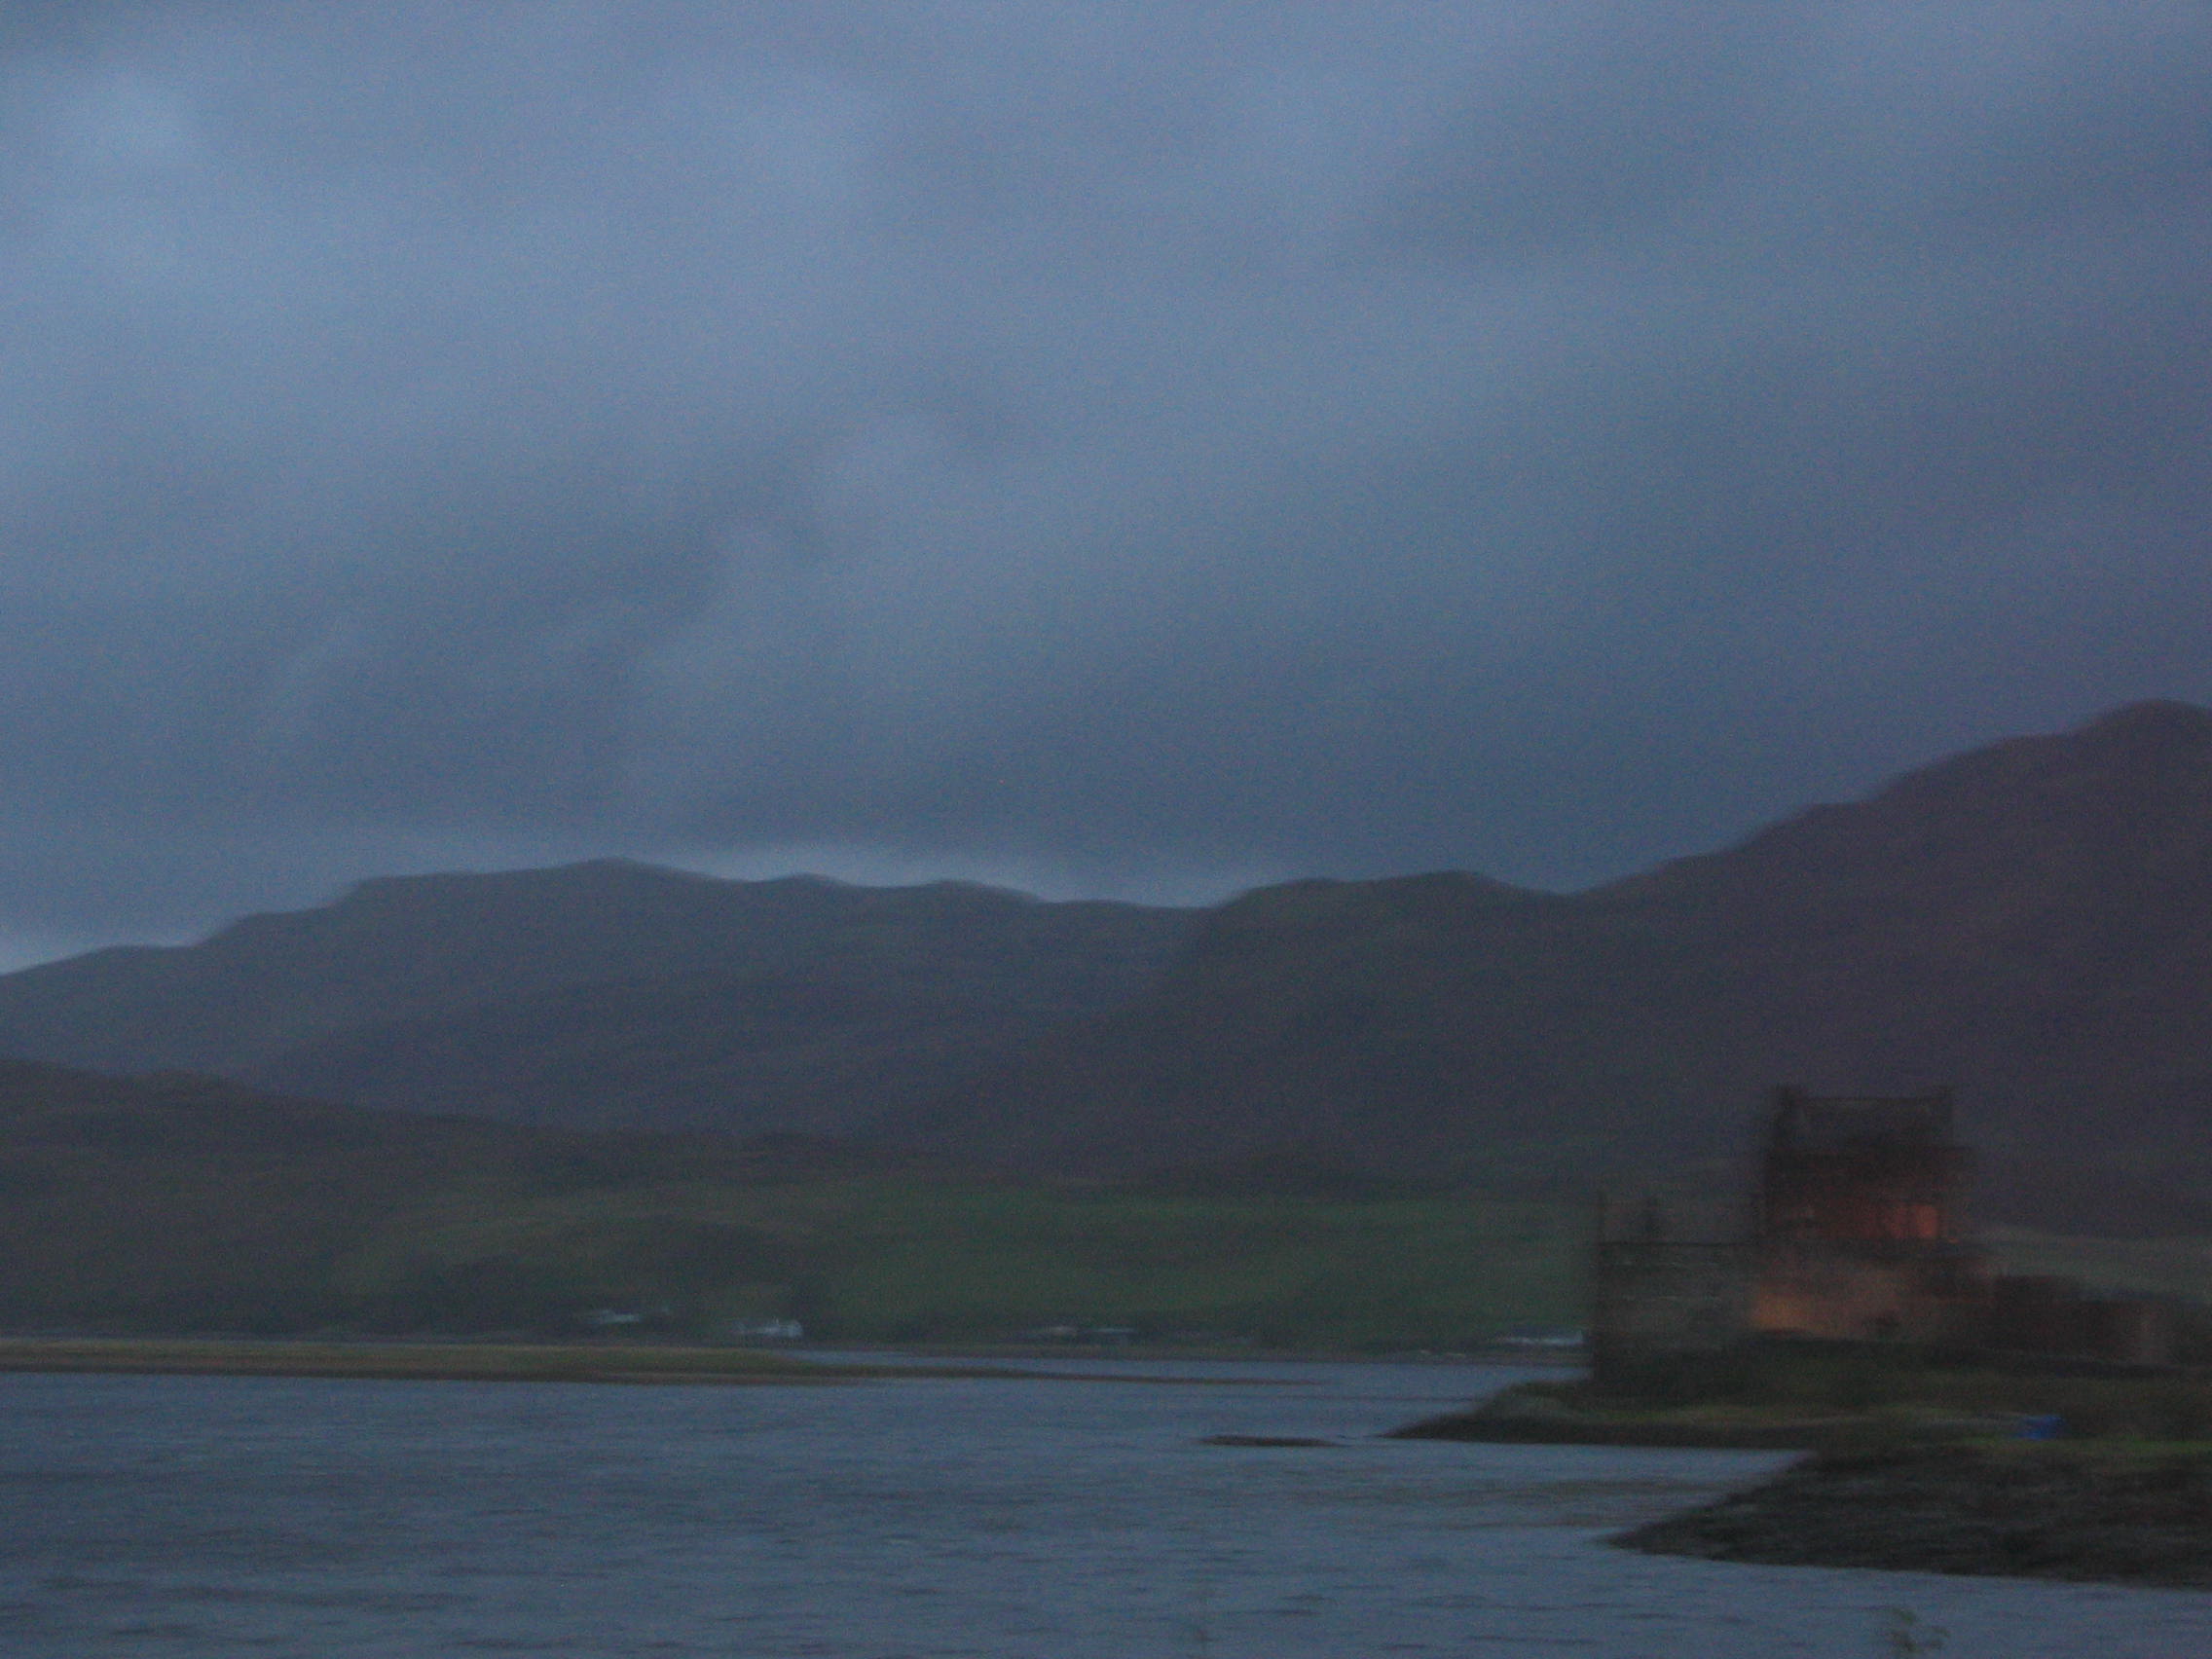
(1130, 446)
(1626, 115)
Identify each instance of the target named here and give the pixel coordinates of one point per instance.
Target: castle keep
(1858, 1230)
(1854, 1232)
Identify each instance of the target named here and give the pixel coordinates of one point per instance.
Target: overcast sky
(1139, 447)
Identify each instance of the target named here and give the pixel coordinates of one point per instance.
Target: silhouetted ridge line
(2031, 921)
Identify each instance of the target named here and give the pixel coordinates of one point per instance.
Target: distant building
(1855, 1232)
(767, 1330)
(1858, 1226)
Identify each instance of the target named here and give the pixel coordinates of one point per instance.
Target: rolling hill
(2030, 922)
(176, 1202)
(604, 994)
(179, 1203)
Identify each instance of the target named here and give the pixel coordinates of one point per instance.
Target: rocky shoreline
(2110, 1514)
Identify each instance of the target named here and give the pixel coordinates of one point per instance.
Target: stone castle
(1856, 1232)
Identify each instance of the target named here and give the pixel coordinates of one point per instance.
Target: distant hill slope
(731, 1054)
(177, 1202)
(2031, 922)
(180, 1204)
(601, 993)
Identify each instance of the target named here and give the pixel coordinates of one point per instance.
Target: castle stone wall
(1655, 1303)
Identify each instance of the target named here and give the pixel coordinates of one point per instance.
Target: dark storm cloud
(1143, 445)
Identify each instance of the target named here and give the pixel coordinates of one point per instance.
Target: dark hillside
(605, 992)
(185, 1201)
(180, 1202)
(1413, 1027)
(186, 1205)
(736, 1055)
(2031, 922)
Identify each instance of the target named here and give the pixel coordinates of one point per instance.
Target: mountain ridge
(2030, 921)
(249, 1001)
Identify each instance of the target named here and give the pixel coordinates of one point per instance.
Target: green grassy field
(179, 1204)
(910, 1260)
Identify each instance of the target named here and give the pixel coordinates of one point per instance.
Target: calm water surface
(1006, 1518)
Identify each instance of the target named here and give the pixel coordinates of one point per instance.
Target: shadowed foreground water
(213, 1515)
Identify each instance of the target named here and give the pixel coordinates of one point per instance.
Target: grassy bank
(913, 1260)
(179, 1203)
(1808, 1397)
(1920, 1463)
(887, 1258)
(2128, 1512)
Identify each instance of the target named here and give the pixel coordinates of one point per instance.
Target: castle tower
(1859, 1222)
